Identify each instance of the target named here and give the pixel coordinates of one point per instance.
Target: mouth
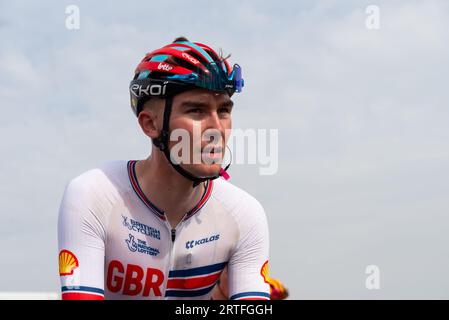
(213, 152)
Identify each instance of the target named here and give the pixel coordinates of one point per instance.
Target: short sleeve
(81, 241)
(248, 263)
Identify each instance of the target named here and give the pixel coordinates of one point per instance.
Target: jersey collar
(159, 213)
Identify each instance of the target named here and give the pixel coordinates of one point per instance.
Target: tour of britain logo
(134, 225)
(140, 246)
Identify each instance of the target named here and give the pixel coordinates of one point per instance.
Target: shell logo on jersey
(277, 289)
(264, 272)
(67, 263)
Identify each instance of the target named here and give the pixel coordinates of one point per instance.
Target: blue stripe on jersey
(196, 271)
(188, 293)
(81, 288)
(250, 294)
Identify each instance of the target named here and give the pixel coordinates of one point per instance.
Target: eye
(195, 110)
(224, 110)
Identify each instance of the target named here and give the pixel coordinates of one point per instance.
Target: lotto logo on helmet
(164, 66)
(190, 58)
(68, 262)
(141, 90)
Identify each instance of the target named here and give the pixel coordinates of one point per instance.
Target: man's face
(206, 117)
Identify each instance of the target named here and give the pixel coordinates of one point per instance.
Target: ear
(149, 122)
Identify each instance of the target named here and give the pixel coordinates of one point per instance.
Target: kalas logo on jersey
(140, 246)
(133, 280)
(190, 58)
(193, 243)
(142, 228)
(67, 263)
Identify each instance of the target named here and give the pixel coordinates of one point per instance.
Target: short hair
(151, 104)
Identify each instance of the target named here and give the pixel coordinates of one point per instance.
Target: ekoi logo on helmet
(141, 90)
(68, 262)
(190, 58)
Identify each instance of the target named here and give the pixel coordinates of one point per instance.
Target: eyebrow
(197, 104)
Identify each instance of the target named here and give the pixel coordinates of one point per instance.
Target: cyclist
(159, 228)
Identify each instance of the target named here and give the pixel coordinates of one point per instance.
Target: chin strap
(162, 143)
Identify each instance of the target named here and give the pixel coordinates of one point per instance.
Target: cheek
(191, 130)
(227, 125)
(183, 124)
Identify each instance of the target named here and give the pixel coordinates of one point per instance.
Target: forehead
(201, 96)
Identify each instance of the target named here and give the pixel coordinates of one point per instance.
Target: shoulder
(97, 182)
(86, 205)
(236, 200)
(249, 216)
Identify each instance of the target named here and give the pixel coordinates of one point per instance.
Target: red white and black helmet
(175, 68)
(180, 66)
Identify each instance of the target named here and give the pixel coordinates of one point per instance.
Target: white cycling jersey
(115, 244)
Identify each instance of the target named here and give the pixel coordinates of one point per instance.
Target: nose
(214, 125)
(213, 121)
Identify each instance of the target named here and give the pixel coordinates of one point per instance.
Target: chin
(204, 170)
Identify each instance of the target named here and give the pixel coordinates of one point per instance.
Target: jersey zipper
(172, 247)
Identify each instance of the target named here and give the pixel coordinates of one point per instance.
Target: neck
(166, 188)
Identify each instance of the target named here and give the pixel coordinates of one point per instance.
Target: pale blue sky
(362, 117)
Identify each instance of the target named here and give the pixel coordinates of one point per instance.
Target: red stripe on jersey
(81, 296)
(193, 283)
